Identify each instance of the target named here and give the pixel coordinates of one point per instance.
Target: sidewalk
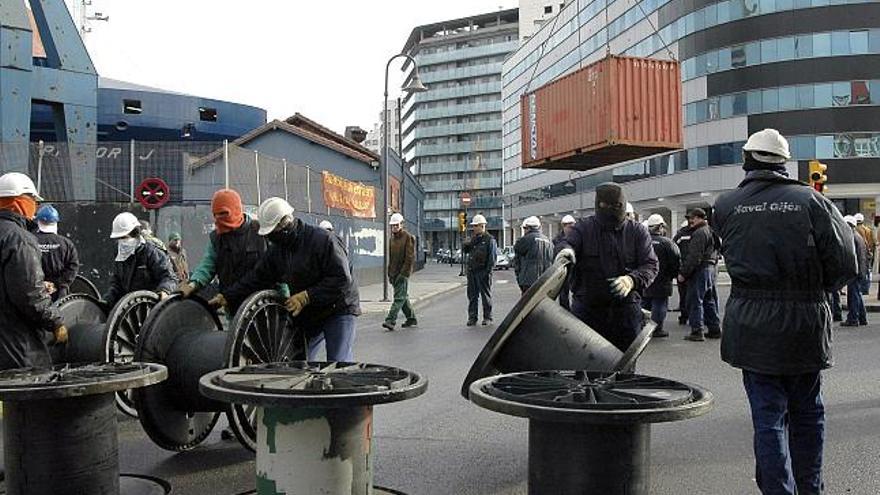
(431, 281)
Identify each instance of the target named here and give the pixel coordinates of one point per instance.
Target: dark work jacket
(481, 251)
(785, 245)
(603, 253)
(311, 259)
(682, 239)
(534, 254)
(59, 260)
(237, 252)
(670, 259)
(27, 318)
(861, 253)
(147, 269)
(702, 251)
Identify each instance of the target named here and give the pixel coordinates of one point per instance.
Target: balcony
(460, 73)
(455, 129)
(461, 184)
(458, 166)
(467, 53)
(453, 111)
(454, 148)
(458, 92)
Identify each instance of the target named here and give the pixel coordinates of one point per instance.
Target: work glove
(60, 334)
(162, 295)
(622, 286)
(186, 289)
(297, 302)
(50, 287)
(217, 301)
(566, 254)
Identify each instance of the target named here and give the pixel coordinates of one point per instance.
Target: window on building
(207, 114)
(548, 9)
(132, 107)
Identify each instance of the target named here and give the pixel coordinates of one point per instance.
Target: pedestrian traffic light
(462, 221)
(818, 176)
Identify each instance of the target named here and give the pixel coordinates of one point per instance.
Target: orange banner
(395, 193)
(357, 199)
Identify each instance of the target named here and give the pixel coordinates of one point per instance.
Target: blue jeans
(789, 421)
(338, 332)
(856, 312)
(658, 306)
(702, 300)
(479, 286)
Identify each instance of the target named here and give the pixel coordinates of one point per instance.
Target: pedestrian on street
(139, 264)
(314, 264)
(27, 318)
(656, 297)
(59, 260)
(785, 246)
(234, 248)
(613, 261)
(867, 234)
(565, 291)
(482, 251)
(856, 314)
(177, 254)
(682, 239)
(401, 258)
(698, 270)
(533, 254)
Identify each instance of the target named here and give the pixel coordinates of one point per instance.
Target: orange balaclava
(226, 207)
(25, 205)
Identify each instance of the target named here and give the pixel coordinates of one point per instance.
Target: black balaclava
(615, 200)
(750, 164)
(286, 235)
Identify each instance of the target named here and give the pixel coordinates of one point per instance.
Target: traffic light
(462, 221)
(818, 176)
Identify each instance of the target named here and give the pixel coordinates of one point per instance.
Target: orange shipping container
(615, 110)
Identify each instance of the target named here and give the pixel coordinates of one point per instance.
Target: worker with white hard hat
(785, 246)
(482, 252)
(630, 211)
(401, 261)
(27, 318)
(326, 225)
(139, 264)
(314, 264)
(656, 296)
(533, 254)
(564, 297)
(867, 234)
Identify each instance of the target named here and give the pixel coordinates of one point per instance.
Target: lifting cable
(648, 18)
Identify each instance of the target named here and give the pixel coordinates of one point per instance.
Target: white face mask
(126, 247)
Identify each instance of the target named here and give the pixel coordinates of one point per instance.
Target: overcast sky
(325, 59)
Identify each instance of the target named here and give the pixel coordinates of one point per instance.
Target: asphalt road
(442, 444)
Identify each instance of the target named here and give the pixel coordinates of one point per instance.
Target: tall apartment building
(534, 13)
(375, 134)
(452, 133)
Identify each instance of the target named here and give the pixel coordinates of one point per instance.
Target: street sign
(153, 193)
(465, 199)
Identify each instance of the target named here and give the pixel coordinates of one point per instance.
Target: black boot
(659, 332)
(713, 333)
(696, 335)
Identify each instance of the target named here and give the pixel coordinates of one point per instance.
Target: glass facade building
(806, 67)
(452, 132)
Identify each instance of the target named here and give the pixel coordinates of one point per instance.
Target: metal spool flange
(82, 285)
(263, 332)
(85, 318)
(124, 324)
(165, 417)
(538, 334)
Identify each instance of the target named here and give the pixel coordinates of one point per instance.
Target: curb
(417, 300)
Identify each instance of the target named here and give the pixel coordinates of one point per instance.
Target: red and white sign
(153, 193)
(465, 198)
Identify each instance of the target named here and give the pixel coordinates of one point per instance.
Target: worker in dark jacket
(656, 296)
(482, 252)
(533, 254)
(28, 322)
(60, 260)
(314, 264)
(565, 291)
(613, 261)
(682, 239)
(856, 314)
(401, 259)
(785, 245)
(698, 270)
(234, 248)
(139, 264)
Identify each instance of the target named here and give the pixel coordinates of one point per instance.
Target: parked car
(502, 262)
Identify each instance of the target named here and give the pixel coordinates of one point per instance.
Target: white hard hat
(567, 219)
(479, 220)
(326, 225)
(396, 219)
(859, 217)
(532, 221)
(15, 184)
(768, 146)
(850, 220)
(645, 223)
(629, 208)
(123, 224)
(655, 220)
(271, 212)
(684, 223)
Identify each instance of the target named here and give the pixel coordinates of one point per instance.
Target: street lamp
(415, 86)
